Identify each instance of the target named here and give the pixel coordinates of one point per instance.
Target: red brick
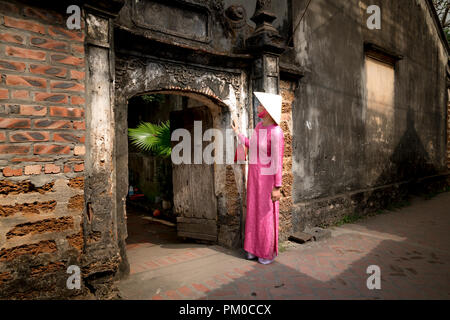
(212, 284)
(78, 167)
(160, 261)
(66, 112)
(11, 172)
(200, 287)
(66, 137)
(2, 137)
(77, 49)
(13, 80)
(51, 149)
(172, 294)
(171, 259)
(52, 124)
(12, 65)
(151, 264)
(49, 44)
(231, 276)
(67, 168)
(25, 136)
(33, 169)
(65, 85)
(79, 125)
(24, 25)
(51, 97)
(66, 34)
(51, 168)
(186, 291)
(11, 37)
(25, 53)
(44, 15)
(48, 70)
(221, 279)
(14, 123)
(14, 149)
(4, 94)
(77, 75)
(77, 100)
(66, 59)
(33, 110)
(20, 94)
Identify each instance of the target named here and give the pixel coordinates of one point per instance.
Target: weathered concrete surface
(411, 246)
(345, 143)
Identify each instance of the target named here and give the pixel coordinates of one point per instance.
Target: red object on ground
(156, 213)
(136, 196)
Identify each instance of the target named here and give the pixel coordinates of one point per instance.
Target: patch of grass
(393, 206)
(353, 217)
(347, 219)
(431, 195)
(281, 247)
(398, 205)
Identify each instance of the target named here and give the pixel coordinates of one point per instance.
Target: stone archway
(225, 94)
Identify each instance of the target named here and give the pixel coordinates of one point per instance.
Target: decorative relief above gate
(137, 75)
(185, 19)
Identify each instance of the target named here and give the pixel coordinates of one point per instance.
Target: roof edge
(438, 25)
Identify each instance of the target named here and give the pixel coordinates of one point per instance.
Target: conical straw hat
(272, 103)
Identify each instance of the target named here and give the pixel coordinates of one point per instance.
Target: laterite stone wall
(42, 97)
(287, 91)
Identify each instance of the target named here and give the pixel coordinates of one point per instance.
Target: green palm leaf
(153, 138)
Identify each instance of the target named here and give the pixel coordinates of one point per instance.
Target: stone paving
(410, 245)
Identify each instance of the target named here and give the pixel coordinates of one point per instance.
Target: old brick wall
(287, 91)
(42, 97)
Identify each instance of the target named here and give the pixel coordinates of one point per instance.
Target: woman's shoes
(265, 261)
(251, 256)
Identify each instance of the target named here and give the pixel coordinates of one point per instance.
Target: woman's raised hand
(234, 126)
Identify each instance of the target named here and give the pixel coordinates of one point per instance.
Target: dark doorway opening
(151, 218)
(170, 207)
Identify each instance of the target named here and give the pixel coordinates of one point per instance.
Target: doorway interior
(170, 208)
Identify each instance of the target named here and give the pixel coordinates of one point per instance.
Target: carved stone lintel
(172, 75)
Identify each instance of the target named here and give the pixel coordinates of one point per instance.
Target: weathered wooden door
(193, 184)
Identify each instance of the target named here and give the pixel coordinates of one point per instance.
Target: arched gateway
(129, 55)
(224, 92)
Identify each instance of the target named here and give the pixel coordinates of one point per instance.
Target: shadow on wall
(409, 159)
(409, 162)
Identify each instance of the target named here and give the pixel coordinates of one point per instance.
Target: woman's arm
(244, 140)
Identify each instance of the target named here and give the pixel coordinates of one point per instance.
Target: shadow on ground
(411, 247)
